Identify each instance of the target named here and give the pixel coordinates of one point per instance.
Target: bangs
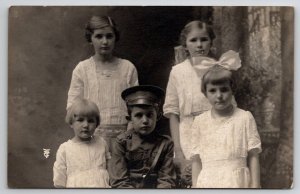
(216, 75)
(83, 107)
(88, 110)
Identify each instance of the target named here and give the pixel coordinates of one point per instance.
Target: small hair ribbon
(229, 60)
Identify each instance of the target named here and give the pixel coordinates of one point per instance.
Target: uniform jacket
(132, 157)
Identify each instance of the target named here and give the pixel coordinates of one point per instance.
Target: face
(84, 127)
(143, 119)
(198, 42)
(219, 96)
(103, 40)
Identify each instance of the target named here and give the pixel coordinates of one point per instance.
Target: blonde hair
(82, 107)
(195, 24)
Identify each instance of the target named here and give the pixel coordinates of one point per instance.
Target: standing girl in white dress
(102, 77)
(81, 162)
(225, 138)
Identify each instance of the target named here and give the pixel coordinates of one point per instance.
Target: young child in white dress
(82, 161)
(226, 143)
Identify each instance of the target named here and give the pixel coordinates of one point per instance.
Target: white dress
(82, 164)
(103, 87)
(223, 145)
(185, 99)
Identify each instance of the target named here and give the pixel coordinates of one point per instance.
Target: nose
(199, 44)
(104, 40)
(219, 95)
(145, 120)
(85, 124)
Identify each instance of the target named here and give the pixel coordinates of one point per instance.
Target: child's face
(198, 42)
(84, 127)
(219, 96)
(143, 119)
(103, 40)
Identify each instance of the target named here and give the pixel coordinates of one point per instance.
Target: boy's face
(219, 96)
(84, 127)
(143, 119)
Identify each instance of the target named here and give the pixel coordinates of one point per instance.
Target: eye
(99, 36)
(110, 36)
(212, 90)
(204, 39)
(193, 39)
(79, 119)
(91, 120)
(150, 114)
(138, 115)
(224, 89)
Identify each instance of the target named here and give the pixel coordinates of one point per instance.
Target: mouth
(145, 128)
(85, 132)
(104, 48)
(201, 52)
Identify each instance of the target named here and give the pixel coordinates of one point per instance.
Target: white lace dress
(103, 87)
(223, 145)
(82, 164)
(185, 99)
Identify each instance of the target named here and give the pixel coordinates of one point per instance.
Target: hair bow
(229, 60)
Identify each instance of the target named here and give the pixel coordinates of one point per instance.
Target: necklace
(107, 69)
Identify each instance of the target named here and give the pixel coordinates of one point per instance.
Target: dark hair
(198, 24)
(217, 75)
(82, 107)
(97, 22)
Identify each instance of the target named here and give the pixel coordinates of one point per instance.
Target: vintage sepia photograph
(150, 97)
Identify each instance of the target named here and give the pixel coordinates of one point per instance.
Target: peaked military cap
(143, 95)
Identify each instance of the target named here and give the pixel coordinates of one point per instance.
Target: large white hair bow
(229, 60)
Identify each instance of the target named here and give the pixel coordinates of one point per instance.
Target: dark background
(46, 43)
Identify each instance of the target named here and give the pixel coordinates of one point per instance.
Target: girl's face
(198, 42)
(103, 40)
(143, 119)
(84, 127)
(219, 96)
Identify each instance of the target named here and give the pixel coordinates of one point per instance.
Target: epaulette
(166, 136)
(124, 136)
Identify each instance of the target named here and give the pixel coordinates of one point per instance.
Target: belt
(228, 163)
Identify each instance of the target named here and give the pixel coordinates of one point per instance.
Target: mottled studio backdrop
(46, 43)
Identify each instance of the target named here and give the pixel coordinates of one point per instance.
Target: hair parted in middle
(98, 22)
(195, 24)
(82, 107)
(217, 75)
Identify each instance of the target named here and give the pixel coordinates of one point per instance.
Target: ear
(159, 115)
(128, 118)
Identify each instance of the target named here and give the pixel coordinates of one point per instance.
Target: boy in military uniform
(141, 157)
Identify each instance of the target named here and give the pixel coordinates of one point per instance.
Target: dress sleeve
(195, 137)
(166, 174)
(172, 100)
(118, 172)
(76, 87)
(60, 168)
(252, 134)
(133, 75)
